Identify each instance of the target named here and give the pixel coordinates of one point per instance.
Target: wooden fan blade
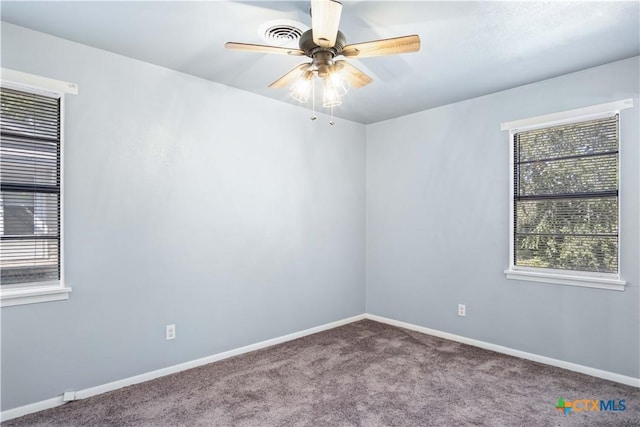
(263, 48)
(291, 76)
(325, 20)
(355, 77)
(383, 47)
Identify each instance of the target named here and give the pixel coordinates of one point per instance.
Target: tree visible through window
(566, 196)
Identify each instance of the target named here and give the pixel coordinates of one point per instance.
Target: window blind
(566, 196)
(30, 187)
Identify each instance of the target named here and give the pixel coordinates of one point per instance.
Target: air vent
(282, 33)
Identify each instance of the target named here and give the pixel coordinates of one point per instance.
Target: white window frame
(547, 275)
(12, 295)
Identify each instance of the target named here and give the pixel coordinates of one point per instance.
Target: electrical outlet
(462, 310)
(171, 332)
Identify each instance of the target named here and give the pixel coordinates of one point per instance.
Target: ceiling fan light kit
(323, 43)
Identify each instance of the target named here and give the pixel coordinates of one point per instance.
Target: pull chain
(331, 122)
(313, 99)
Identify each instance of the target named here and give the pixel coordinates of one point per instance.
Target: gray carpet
(362, 374)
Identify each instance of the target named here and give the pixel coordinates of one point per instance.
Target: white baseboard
(599, 373)
(31, 408)
(92, 391)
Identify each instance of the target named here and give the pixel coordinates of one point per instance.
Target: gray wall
(437, 226)
(188, 202)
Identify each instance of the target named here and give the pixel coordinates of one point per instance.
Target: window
(30, 180)
(564, 198)
(30, 193)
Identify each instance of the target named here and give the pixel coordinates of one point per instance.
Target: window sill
(566, 279)
(33, 295)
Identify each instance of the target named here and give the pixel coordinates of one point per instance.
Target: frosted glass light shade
(340, 84)
(330, 96)
(301, 89)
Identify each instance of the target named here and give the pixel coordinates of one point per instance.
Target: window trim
(608, 281)
(12, 295)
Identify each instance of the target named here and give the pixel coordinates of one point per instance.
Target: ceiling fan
(323, 43)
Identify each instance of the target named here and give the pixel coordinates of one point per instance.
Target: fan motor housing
(310, 48)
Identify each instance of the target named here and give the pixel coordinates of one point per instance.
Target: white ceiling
(468, 48)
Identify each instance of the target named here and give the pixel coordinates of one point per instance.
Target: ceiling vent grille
(284, 33)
